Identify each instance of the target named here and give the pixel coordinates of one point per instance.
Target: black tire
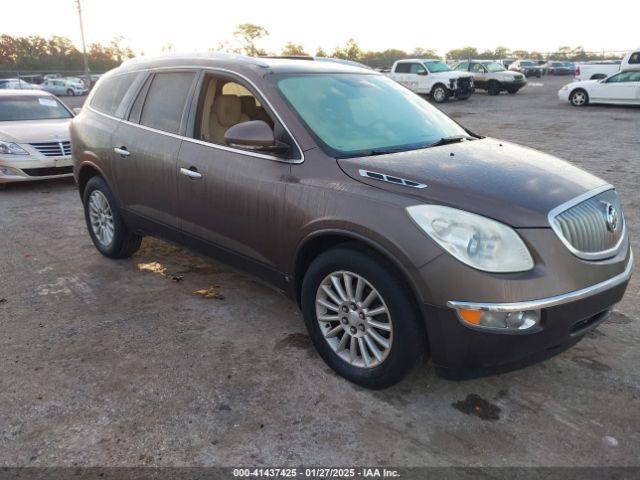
(493, 88)
(124, 243)
(439, 93)
(70, 93)
(579, 98)
(408, 346)
(513, 91)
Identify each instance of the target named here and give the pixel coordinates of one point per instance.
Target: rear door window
(165, 102)
(402, 68)
(111, 91)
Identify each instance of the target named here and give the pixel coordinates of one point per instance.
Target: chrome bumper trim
(550, 301)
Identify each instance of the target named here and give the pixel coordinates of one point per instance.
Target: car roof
(420, 60)
(240, 63)
(23, 92)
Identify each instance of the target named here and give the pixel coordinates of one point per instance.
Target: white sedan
(621, 88)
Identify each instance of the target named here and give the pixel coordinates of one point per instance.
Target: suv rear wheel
(361, 318)
(108, 232)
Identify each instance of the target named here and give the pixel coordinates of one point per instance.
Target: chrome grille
(53, 149)
(591, 228)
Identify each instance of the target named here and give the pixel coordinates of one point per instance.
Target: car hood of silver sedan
(513, 184)
(27, 131)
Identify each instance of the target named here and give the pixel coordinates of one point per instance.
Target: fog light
(10, 172)
(503, 320)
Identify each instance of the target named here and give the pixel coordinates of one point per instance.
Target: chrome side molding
(549, 301)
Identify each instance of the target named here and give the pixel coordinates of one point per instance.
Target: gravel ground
(120, 363)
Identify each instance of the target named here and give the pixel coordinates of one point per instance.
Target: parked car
(599, 70)
(398, 231)
(558, 68)
(62, 86)
(622, 88)
(17, 84)
(34, 136)
(529, 68)
(492, 77)
(51, 76)
(506, 62)
(432, 77)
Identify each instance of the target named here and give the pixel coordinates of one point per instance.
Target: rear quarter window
(165, 102)
(111, 91)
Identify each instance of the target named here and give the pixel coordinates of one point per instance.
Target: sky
(196, 25)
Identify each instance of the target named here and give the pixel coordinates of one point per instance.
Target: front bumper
(563, 95)
(28, 168)
(460, 351)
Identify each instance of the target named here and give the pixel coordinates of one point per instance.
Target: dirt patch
(478, 406)
(177, 260)
(295, 340)
(591, 364)
(618, 318)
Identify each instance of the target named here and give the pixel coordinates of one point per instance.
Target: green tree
(293, 49)
(424, 53)
(501, 52)
(249, 33)
(462, 53)
(350, 51)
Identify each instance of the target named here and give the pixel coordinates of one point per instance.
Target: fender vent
(388, 178)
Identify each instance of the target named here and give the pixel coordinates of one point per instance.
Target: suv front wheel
(439, 93)
(361, 318)
(108, 232)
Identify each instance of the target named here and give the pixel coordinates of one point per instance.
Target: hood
(451, 74)
(582, 83)
(28, 131)
(507, 74)
(513, 184)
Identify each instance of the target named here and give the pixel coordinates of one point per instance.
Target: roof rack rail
(288, 57)
(199, 55)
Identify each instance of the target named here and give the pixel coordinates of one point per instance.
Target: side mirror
(76, 110)
(253, 135)
(423, 72)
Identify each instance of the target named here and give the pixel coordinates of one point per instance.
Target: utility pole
(87, 78)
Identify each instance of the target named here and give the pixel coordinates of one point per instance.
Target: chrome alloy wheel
(101, 218)
(578, 98)
(354, 319)
(439, 94)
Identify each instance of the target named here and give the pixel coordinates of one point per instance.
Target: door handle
(191, 172)
(122, 151)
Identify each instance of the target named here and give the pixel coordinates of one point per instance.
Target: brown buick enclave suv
(400, 233)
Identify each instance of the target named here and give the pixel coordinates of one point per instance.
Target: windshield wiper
(449, 140)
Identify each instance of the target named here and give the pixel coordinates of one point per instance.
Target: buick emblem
(611, 217)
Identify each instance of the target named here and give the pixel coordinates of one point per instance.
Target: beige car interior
(226, 104)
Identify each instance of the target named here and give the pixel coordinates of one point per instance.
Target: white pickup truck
(599, 70)
(432, 77)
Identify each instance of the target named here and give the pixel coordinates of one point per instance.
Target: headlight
(477, 241)
(566, 87)
(7, 148)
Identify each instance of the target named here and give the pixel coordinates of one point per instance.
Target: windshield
(436, 66)
(494, 67)
(527, 63)
(359, 114)
(31, 108)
